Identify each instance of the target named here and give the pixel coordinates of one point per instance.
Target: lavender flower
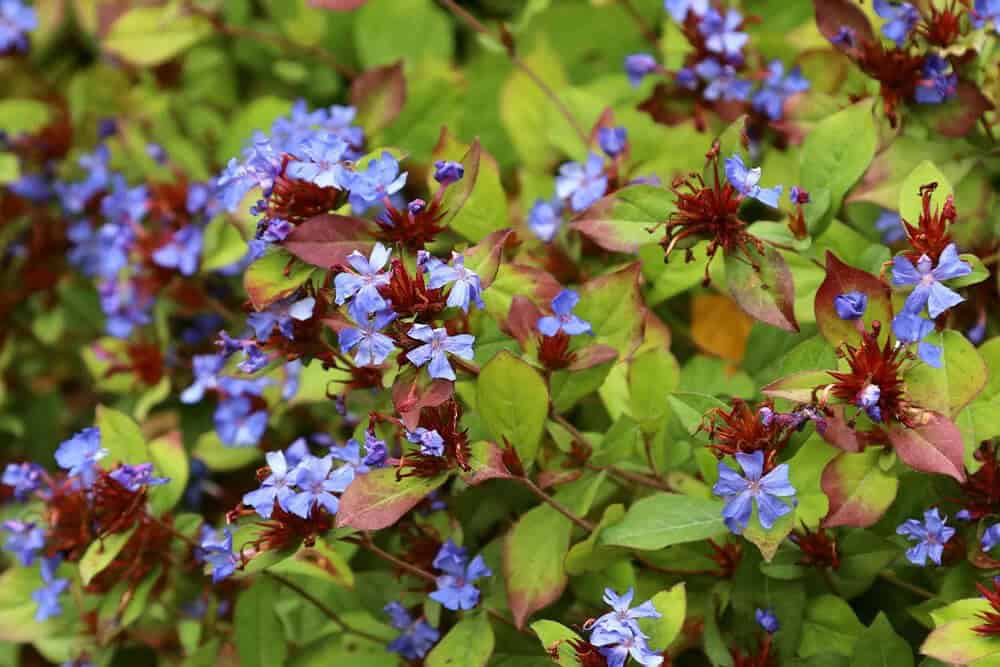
(23, 478)
(25, 540)
(371, 347)
(16, 21)
(430, 441)
(134, 477)
(218, 553)
(612, 140)
(416, 637)
(679, 9)
(910, 328)
(723, 82)
(281, 313)
(447, 172)
(622, 618)
(767, 620)
(637, 66)
(938, 83)
(48, 595)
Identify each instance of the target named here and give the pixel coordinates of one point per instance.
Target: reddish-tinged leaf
(484, 257)
(487, 463)
(326, 240)
(522, 319)
(409, 398)
(832, 15)
(592, 355)
(379, 95)
(339, 5)
(533, 555)
(838, 433)
(858, 489)
(935, 446)
(764, 292)
(621, 221)
(551, 478)
(961, 114)
(377, 499)
(840, 279)
(798, 387)
(274, 276)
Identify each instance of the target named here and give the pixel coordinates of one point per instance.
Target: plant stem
(555, 504)
(367, 543)
(478, 27)
(891, 577)
(329, 613)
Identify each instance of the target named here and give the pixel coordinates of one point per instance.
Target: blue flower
(281, 313)
(376, 452)
(16, 21)
(48, 595)
(75, 196)
(276, 487)
(770, 99)
(125, 307)
(430, 441)
(930, 537)
(416, 637)
(985, 11)
(612, 140)
(850, 305)
(910, 328)
(900, 19)
(25, 541)
(273, 230)
(679, 9)
(380, 180)
(722, 32)
(438, 344)
(545, 219)
(206, 369)
(746, 182)
(454, 588)
(740, 492)
(124, 205)
(99, 252)
(621, 618)
(868, 400)
(254, 359)
(260, 165)
(182, 251)
(767, 620)
(466, 287)
(723, 83)
(991, 537)
(637, 66)
(937, 83)
(218, 553)
(447, 172)
(238, 423)
(926, 280)
(891, 226)
(134, 477)
(322, 164)
(372, 348)
(617, 647)
(23, 478)
(80, 454)
(563, 318)
(363, 285)
(582, 184)
(317, 485)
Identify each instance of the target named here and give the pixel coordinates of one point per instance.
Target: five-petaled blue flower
(438, 344)
(777, 87)
(454, 588)
(238, 423)
(545, 219)
(638, 65)
(850, 305)
(379, 180)
(371, 346)
(931, 535)
(563, 318)
(281, 313)
(746, 181)
(81, 453)
(679, 9)
(621, 618)
(317, 485)
(134, 477)
(276, 487)
(740, 492)
(582, 184)
(218, 552)
(363, 285)
(430, 441)
(182, 251)
(23, 478)
(938, 82)
(722, 33)
(466, 287)
(617, 646)
(910, 328)
(926, 279)
(323, 161)
(48, 595)
(16, 21)
(206, 369)
(723, 82)
(900, 18)
(25, 541)
(416, 637)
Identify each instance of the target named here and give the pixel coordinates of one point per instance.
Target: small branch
(673, 571)
(329, 613)
(367, 543)
(555, 504)
(478, 27)
(890, 576)
(467, 366)
(633, 477)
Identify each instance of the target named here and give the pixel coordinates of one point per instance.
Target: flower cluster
(617, 635)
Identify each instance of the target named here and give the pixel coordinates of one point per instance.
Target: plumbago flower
(930, 536)
(436, 348)
(454, 588)
(764, 490)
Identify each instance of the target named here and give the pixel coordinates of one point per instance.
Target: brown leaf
(326, 240)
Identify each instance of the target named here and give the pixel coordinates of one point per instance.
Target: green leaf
(275, 276)
(589, 555)
(830, 162)
(220, 458)
(468, 644)
(23, 116)
(829, 626)
(533, 555)
(880, 646)
(223, 245)
(477, 205)
(170, 459)
(690, 408)
(410, 30)
(100, 553)
(121, 436)
(651, 377)
(148, 36)
(663, 519)
(260, 641)
(514, 403)
(377, 499)
(960, 379)
(858, 489)
(621, 221)
(613, 306)
(953, 640)
(910, 203)
(523, 106)
(10, 169)
(672, 605)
